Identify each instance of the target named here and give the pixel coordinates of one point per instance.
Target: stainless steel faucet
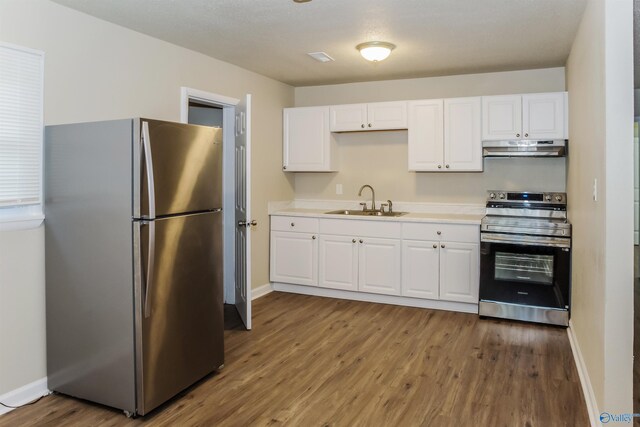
(373, 197)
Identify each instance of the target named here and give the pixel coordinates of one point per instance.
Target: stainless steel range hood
(525, 148)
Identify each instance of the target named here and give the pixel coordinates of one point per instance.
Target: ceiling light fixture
(375, 51)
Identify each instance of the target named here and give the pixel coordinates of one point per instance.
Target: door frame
(228, 106)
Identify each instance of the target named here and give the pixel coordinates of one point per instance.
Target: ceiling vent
(320, 56)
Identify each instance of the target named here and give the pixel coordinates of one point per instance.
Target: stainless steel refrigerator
(134, 292)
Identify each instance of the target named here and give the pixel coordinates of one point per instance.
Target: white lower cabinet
(459, 272)
(379, 266)
(294, 258)
(357, 263)
(338, 266)
(446, 271)
(424, 260)
(420, 269)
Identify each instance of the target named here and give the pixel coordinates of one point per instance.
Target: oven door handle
(513, 239)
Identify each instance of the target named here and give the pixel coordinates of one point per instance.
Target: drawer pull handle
(438, 232)
(293, 224)
(435, 246)
(361, 241)
(353, 241)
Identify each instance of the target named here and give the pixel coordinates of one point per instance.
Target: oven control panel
(525, 197)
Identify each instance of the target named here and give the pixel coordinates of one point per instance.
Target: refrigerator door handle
(151, 188)
(150, 267)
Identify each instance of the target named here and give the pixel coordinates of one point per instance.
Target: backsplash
(380, 159)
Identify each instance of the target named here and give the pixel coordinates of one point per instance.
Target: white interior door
(243, 209)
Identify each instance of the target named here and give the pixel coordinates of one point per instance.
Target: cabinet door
(306, 140)
(338, 262)
(463, 134)
(346, 118)
(294, 258)
(379, 266)
(459, 272)
(420, 269)
(543, 115)
(387, 115)
(426, 135)
(501, 117)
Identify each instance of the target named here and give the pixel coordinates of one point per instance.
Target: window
(21, 134)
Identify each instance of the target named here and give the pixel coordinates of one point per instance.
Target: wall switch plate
(338, 188)
(595, 189)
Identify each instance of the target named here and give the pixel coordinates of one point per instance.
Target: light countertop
(448, 218)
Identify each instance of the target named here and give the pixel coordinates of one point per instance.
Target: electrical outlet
(338, 189)
(595, 189)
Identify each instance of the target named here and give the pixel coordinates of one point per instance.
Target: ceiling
(433, 37)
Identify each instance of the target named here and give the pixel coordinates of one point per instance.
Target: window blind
(21, 126)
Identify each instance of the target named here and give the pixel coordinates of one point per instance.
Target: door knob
(247, 223)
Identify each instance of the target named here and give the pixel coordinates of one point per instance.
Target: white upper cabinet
(372, 116)
(350, 117)
(445, 135)
(529, 116)
(543, 116)
(426, 135)
(462, 134)
(387, 115)
(307, 140)
(501, 117)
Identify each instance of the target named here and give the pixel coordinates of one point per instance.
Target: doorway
(233, 116)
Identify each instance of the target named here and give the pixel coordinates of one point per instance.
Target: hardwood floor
(314, 361)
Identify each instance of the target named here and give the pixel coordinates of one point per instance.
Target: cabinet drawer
(357, 228)
(294, 223)
(441, 232)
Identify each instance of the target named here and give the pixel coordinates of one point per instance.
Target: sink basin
(365, 213)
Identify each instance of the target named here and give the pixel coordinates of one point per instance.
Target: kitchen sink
(365, 213)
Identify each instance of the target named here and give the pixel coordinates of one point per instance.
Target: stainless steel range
(525, 257)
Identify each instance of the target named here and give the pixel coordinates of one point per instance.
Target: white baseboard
(378, 298)
(261, 291)
(24, 394)
(587, 389)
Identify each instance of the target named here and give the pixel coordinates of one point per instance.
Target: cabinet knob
(439, 232)
(442, 246)
(284, 168)
(313, 237)
(361, 241)
(353, 241)
(293, 224)
(439, 166)
(526, 134)
(518, 135)
(362, 126)
(447, 166)
(435, 246)
(369, 124)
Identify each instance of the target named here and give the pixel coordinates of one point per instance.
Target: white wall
(380, 158)
(95, 70)
(600, 83)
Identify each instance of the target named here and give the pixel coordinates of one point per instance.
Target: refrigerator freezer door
(180, 338)
(186, 161)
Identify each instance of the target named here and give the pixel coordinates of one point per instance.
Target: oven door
(525, 273)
